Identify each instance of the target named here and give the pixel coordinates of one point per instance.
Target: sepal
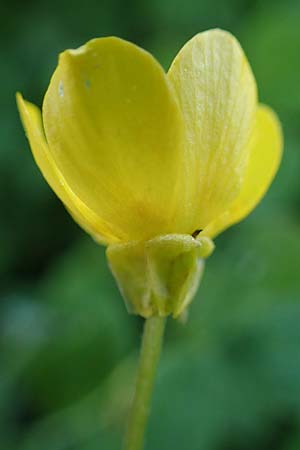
(159, 276)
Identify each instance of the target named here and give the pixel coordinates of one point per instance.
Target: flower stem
(149, 356)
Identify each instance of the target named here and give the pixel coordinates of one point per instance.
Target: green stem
(150, 352)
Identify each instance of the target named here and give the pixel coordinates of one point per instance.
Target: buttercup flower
(155, 164)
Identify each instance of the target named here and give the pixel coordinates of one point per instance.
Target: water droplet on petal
(61, 89)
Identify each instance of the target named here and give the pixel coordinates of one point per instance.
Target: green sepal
(160, 276)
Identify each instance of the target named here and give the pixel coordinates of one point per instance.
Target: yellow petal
(265, 157)
(217, 94)
(114, 130)
(32, 122)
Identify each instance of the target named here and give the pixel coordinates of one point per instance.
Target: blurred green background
(230, 377)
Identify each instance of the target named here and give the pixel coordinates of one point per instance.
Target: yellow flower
(135, 153)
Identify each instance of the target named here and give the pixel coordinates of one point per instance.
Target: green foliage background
(230, 376)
